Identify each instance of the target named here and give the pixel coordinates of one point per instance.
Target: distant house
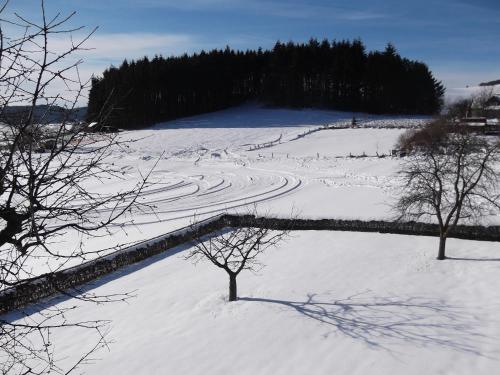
(399, 153)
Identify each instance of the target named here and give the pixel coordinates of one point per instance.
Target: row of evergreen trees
(338, 75)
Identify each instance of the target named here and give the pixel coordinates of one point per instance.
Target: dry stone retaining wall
(476, 233)
(44, 286)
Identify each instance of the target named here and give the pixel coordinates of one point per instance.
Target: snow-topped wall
(37, 289)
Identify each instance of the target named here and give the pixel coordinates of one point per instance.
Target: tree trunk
(442, 247)
(233, 292)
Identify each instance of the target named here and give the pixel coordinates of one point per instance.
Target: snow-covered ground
(212, 163)
(326, 303)
(207, 165)
(342, 303)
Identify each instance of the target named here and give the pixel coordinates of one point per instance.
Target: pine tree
(338, 75)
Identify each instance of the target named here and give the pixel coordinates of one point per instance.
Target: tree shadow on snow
(383, 322)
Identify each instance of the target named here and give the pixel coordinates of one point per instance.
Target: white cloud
(285, 9)
(119, 46)
(114, 47)
(103, 50)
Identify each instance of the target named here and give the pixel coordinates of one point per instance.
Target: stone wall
(44, 286)
(476, 233)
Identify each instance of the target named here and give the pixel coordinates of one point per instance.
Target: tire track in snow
(237, 204)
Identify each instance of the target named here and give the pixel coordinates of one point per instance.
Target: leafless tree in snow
(45, 172)
(453, 179)
(236, 249)
(480, 100)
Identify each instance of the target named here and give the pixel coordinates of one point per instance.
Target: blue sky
(458, 39)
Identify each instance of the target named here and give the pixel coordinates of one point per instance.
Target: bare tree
(459, 109)
(235, 250)
(45, 174)
(453, 179)
(480, 100)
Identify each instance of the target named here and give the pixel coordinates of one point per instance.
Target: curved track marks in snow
(208, 194)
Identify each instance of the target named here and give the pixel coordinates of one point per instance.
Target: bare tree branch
(452, 179)
(45, 170)
(235, 250)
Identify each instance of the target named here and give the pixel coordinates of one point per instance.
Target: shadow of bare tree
(385, 322)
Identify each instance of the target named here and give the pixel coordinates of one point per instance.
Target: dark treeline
(338, 75)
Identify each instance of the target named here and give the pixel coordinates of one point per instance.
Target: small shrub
(429, 137)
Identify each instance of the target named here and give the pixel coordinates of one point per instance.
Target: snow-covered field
(326, 303)
(208, 164)
(341, 303)
(212, 163)
(216, 162)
